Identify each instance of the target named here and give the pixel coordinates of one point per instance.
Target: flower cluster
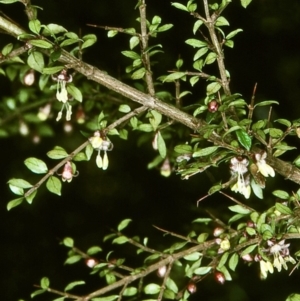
(62, 94)
(239, 168)
(99, 143)
(281, 255)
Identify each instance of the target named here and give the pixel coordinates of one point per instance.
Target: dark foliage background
(266, 52)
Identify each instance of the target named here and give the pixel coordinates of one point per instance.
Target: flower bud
(218, 231)
(161, 271)
(91, 262)
(192, 288)
(247, 258)
(219, 277)
(213, 106)
(29, 78)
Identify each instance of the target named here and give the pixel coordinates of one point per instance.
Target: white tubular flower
(239, 166)
(99, 144)
(61, 91)
(265, 169)
(265, 267)
(281, 254)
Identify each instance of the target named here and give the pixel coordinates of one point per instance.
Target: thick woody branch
(286, 169)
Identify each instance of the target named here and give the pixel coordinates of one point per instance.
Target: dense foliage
(219, 133)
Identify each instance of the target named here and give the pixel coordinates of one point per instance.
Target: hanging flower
(101, 144)
(264, 168)
(239, 167)
(281, 254)
(62, 94)
(68, 172)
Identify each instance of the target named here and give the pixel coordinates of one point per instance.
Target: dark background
(267, 52)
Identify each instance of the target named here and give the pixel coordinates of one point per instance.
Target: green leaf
(124, 108)
(161, 145)
(233, 261)
(75, 92)
(183, 149)
(112, 33)
(233, 33)
(221, 21)
(8, 1)
(283, 209)
(131, 54)
(204, 220)
(36, 61)
(16, 190)
(38, 292)
(196, 43)
(120, 240)
(29, 198)
(93, 250)
(81, 156)
(36, 165)
(170, 284)
(53, 29)
(164, 27)
(197, 25)
(20, 183)
(44, 283)
(213, 88)
(248, 250)
(54, 185)
(239, 209)
(35, 26)
(73, 284)
(266, 103)
(89, 40)
(281, 194)
(202, 270)
(7, 49)
(179, 6)
(123, 224)
(205, 151)
(223, 260)
(244, 139)
(211, 57)
(41, 44)
(57, 153)
(146, 127)
(245, 3)
(138, 74)
(123, 134)
(68, 242)
(73, 259)
(202, 237)
(215, 189)
(133, 42)
(193, 256)
(108, 298)
(14, 203)
(174, 76)
(284, 122)
(52, 70)
(235, 218)
(293, 297)
(152, 289)
(200, 53)
(68, 42)
(130, 291)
